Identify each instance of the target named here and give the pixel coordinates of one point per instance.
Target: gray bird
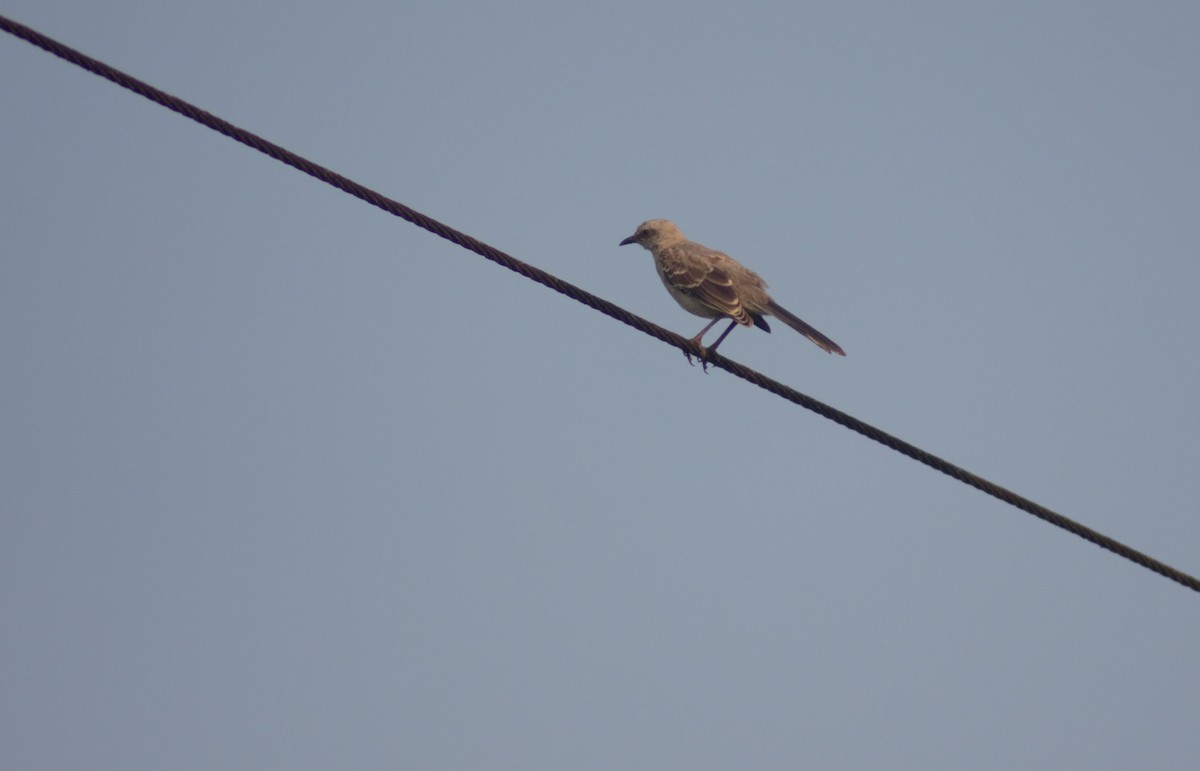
(712, 284)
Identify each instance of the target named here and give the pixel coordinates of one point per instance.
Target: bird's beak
(631, 240)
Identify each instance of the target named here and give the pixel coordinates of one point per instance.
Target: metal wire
(604, 306)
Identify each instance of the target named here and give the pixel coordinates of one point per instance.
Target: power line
(604, 306)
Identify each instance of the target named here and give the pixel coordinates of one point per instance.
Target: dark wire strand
(604, 306)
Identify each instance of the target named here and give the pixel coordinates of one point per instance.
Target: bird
(712, 284)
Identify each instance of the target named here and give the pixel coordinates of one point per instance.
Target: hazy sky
(290, 483)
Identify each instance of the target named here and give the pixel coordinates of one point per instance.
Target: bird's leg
(728, 329)
(696, 341)
(706, 351)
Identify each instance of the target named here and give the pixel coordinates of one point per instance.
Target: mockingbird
(712, 284)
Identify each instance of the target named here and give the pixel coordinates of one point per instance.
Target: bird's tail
(793, 321)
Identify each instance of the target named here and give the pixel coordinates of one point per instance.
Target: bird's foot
(703, 357)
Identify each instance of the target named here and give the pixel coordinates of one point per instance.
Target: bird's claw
(703, 357)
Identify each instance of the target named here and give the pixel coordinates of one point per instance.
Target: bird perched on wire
(712, 284)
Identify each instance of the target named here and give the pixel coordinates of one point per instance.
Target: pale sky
(290, 483)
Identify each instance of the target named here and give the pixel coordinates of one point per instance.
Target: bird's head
(655, 233)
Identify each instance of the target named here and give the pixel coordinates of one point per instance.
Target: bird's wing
(707, 276)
